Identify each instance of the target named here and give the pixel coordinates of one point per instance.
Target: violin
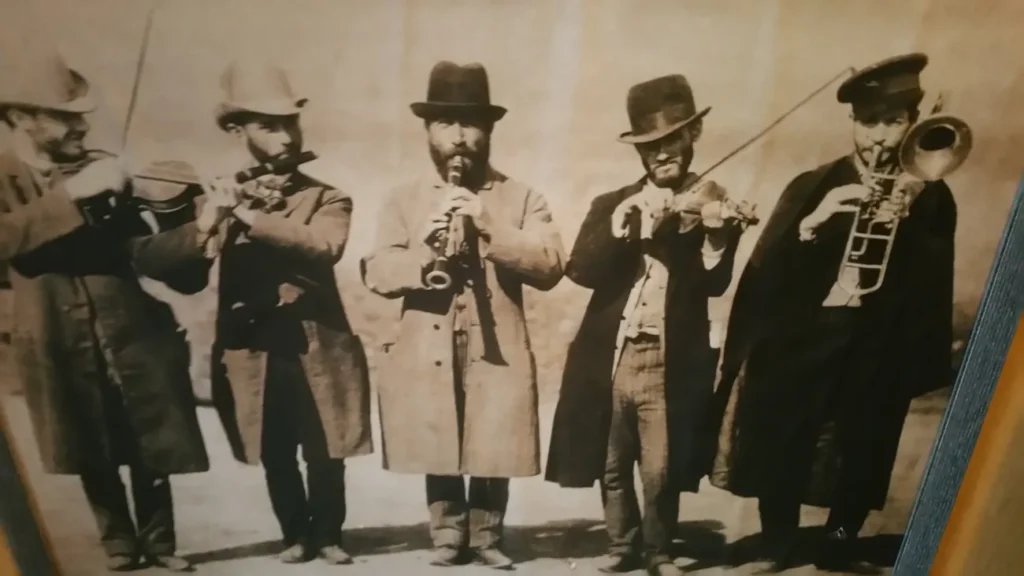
(164, 192)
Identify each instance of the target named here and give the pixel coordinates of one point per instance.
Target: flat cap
(893, 80)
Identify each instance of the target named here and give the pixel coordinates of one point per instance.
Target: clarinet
(439, 278)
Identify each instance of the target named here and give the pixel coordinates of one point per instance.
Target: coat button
(437, 362)
(437, 326)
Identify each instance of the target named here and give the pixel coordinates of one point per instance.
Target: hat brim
(430, 110)
(631, 138)
(278, 107)
(81, 105)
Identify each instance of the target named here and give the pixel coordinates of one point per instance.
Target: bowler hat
(255, 87)
(48, 84)
(894, 81)
(455, 88)
(658, 107)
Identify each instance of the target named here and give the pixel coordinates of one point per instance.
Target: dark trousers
(154, 509)
(151, 492)
(819, 378)
(639, 434)
(291, 420)
(456, 519)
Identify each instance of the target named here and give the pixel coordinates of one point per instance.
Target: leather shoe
(664, 568)
(121, 563)
(294, 554)
(618, 563)
(172, 563)
(836, 551)
(335, 554)
(445, 556)
(494, 558)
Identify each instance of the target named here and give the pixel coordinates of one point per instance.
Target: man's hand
(466, 203)
(653, 204)
(620, 217)
(105, 175)
(436, 223)
(838, 200)
(222, 197)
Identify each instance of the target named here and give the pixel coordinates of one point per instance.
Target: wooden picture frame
(993, 331)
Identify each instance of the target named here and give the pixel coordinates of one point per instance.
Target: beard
(671, 173)
(71, 148)
(474, 161)
(262, 156)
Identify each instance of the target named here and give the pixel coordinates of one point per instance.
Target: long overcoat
(604, 264)
(421, 429)
(277, 292)
(81, 317)
(904, 349)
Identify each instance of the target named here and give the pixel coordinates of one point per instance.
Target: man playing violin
(458, 390)
(288, 369)
(640, 373)
(103, 368)
(817, 373)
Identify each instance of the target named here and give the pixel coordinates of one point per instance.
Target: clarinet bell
(438, 278)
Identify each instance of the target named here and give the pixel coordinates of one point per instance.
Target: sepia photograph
(453, 286)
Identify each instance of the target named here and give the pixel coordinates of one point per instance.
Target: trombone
(933, 148)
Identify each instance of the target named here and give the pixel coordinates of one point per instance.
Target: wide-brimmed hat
(256, 87)
(458, 89)
(658, 107)
(892, 82)
(47, 84)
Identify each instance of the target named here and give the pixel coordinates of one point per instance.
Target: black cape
(905, 350)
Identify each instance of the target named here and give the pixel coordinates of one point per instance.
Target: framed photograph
(415, 286)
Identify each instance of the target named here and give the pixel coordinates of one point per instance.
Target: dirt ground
(225, 525)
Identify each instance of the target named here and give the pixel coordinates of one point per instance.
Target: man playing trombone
(836, 327)
(640, 373)
(288, 369)
(458, 391)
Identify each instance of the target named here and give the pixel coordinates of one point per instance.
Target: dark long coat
(497, 433)
(599, 261)
(81, 317)
(277, 292)
(904, 349)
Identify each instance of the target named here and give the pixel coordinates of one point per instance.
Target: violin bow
(140, 65)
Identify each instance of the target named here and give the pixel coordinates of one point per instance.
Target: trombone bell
(935, 147)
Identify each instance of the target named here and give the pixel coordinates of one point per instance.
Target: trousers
(312, 513)
(639, 436)
(108, 500)
(821, 368)
(458, 519)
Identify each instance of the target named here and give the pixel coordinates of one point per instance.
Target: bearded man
(822, 359)
(640, 373)
(103, 367)
(458, 391)
(289, 371)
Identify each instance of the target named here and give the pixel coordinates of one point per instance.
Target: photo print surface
(448, 286)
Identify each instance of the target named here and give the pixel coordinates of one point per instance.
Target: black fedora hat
(658, 107)
(455, 88)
